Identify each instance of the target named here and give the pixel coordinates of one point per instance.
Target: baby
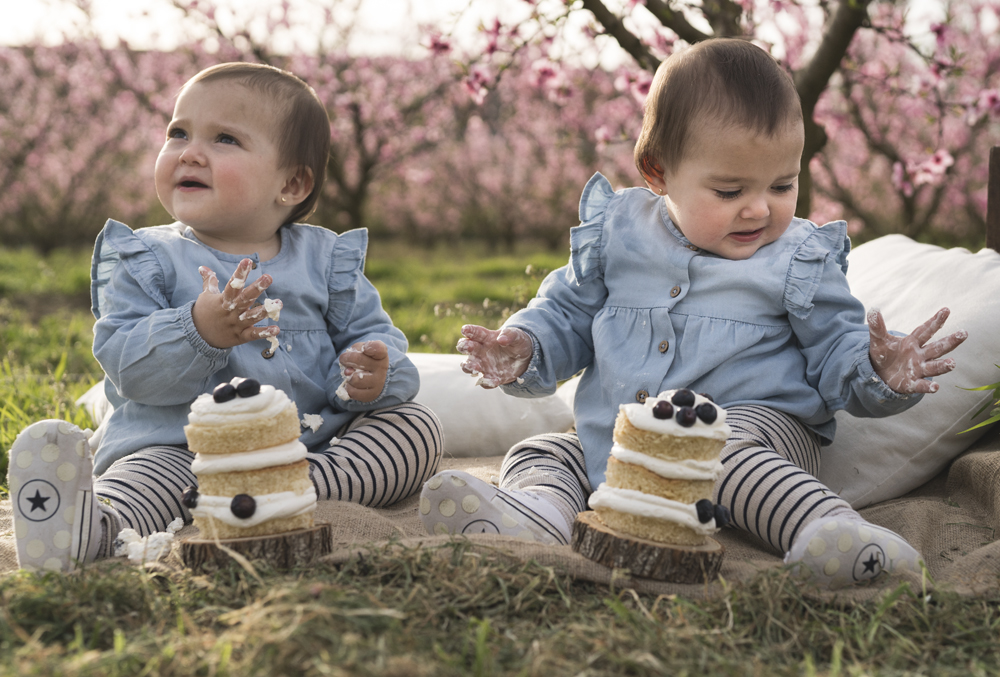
(707, 281)
(243, 161)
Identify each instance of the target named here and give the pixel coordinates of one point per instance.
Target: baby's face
(219, 171)
(735, 190)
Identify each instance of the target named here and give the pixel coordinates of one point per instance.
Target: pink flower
(989, 102)
(639, 87)
(438, 44)
(542, 71)
(476, 84)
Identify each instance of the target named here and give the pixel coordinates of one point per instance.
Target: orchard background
(492, 139)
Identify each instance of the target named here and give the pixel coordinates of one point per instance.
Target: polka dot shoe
(837, 552)
(56, 522)
(454, 502)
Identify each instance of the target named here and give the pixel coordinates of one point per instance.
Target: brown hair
(303, 134)
(726, 80)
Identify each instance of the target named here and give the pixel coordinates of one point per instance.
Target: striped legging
(768, 481)
(378, 459)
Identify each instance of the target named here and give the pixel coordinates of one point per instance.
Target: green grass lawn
(415, 612)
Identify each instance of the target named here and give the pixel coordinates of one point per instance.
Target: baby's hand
(226, 319)
(500, 356)
(365, 367)
(903, 361)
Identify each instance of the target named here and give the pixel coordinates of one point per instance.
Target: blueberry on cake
(663, 469)
(253, 476)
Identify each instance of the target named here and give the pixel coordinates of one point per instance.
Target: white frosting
(312, 421)
(641, 416)
(274, 343)
(237, 283)
(273, 308)
(282, 454)
(269, 507)
(645, 505)
(342, 388)
(686, 469)
(267, 403)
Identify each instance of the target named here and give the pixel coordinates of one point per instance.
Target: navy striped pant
(379, 458)
(768, 483)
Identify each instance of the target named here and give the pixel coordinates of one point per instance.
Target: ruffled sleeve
(346, 268)
(828, 245)
(585, 239)
(118, 243)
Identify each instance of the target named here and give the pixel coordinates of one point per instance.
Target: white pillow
(480, 422)
(476, 422)
(874, 460)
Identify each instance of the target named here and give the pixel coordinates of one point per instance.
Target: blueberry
(189, 497)
(224, 392)
(722, 518)
(686, 416)
(243, 506)
(248, 387)
(705, 510)
(707, 412)
(683, 398)
(662, 409)
(707, 397)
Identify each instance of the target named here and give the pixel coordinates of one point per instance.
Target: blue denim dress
(143, 287)
(640, 310)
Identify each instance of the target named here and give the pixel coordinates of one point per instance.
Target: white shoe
(454, 502)
(56, 521)
(838, 552)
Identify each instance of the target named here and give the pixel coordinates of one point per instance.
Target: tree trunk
(282, 551)
(643, 558)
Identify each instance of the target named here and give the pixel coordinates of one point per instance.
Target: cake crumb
(155, 546)
(312, 421)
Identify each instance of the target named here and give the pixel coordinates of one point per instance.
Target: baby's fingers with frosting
(945, 345)
(938, 367)
(925, 331)
(209, 280)
(234, 287)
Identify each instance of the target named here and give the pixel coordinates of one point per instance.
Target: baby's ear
(652, 173)
(297, 186)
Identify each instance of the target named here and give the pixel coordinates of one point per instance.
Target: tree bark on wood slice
(282, 551)
(644, 558)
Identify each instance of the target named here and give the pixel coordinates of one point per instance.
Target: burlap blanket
(952, 520)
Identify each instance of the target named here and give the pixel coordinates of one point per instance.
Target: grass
(448, 611)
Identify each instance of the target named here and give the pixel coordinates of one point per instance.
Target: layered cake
(663, 468)
(253, 477)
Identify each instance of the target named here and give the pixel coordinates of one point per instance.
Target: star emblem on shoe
(869, 562)
(38, 500)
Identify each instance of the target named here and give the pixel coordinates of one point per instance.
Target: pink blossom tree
(823, 44)
(910, 128)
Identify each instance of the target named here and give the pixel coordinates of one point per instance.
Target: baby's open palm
(500, 356)
(905, 362)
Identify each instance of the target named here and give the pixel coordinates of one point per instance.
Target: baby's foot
(838, 552)
(56, 521)
(454, 502)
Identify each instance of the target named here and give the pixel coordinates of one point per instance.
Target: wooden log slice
(643, 558)
(283, 551)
